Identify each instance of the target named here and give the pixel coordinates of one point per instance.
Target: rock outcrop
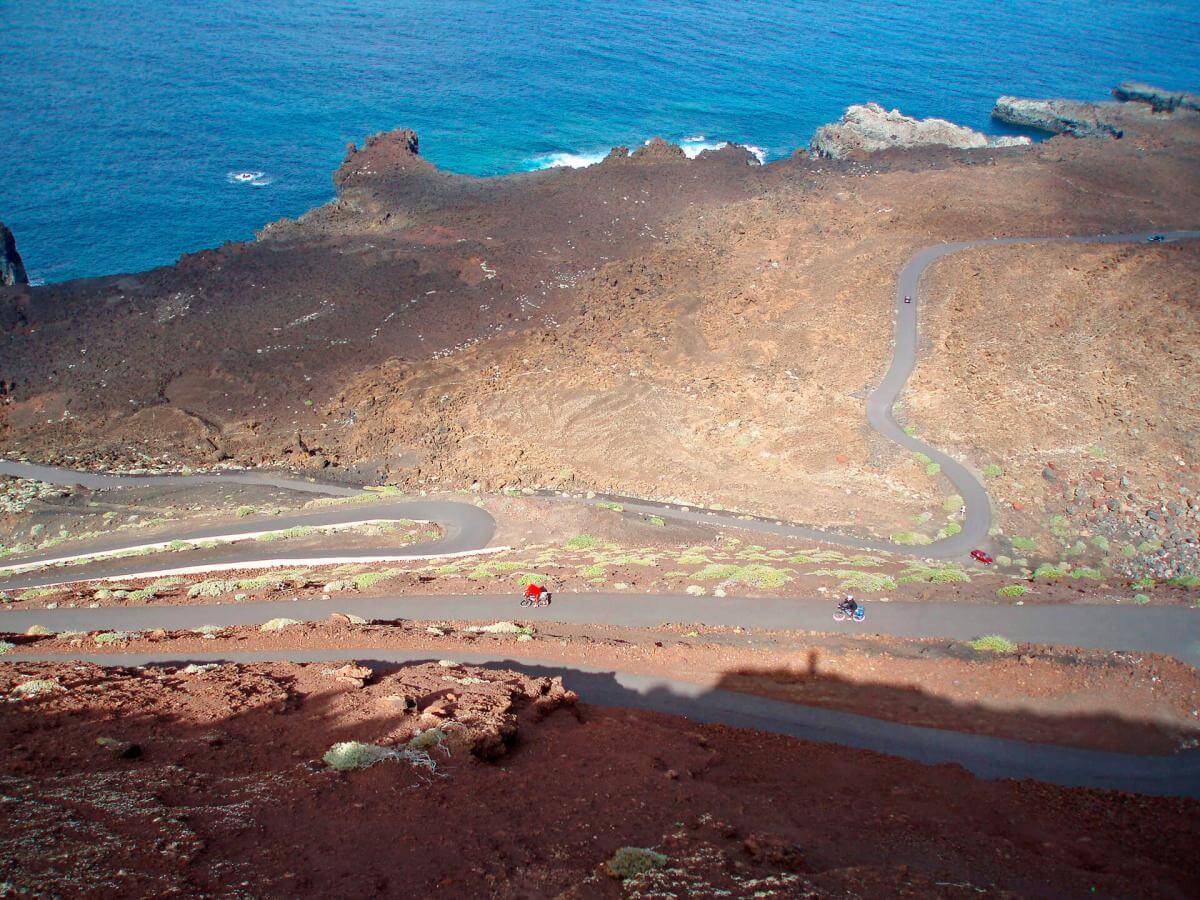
(1160, 100)
(869, 128)
(660, 150)
(12, 269)
(1073, 117)
(382, 157)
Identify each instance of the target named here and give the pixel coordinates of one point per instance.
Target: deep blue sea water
(124, 121)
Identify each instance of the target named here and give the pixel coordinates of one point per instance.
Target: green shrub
(1086, 572)
(658, 521)
(630, 861)
(1023, 543)
(950, 529)
(531, 578)
(113, 637)
(1060, 527)
(910, 539)
(1012, 590)
(854, 580)
(952, 503)
(1096, 451)
(596, 570)
(6, 647)
(922, 459)
(1146, 581)
(1141, 599)
(1185, 581)
(1051, 571)
(950, 574)
(37, 686)
(991, 470)
(933, 469)
(243, 511)
(993, 643)
(366, 580)
(349, 755)
(583, 542)
(717, 572)
(143, 595)
(608, 504)
(1100, 542)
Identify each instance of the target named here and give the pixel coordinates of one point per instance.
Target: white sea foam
(568, 160)
(692, 146)
(256, 179)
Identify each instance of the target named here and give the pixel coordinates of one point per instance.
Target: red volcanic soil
(212, 782)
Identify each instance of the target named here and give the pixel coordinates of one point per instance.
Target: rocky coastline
(12, 269)
(869, 128)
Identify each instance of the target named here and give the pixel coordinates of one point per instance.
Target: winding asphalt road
(468, 529)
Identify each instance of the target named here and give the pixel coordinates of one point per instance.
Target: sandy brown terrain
(1104, 432)
(701, 329)
(167, 780)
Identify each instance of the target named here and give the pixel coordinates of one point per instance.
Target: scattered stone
(120, 749)
(356, 676)
(278, 624)
(198, 668)
(496, 628)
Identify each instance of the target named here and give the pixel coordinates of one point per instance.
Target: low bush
(243, 511)
(991, 470)
(854, 580)
(630, 861)
(993, 643)
(1012, 590)
(950, 574)
(583, 542)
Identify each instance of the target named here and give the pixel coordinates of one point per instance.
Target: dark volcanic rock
(382, 156)
(1072, 117)
(658, 149)
(1160, 100)
(12, 269)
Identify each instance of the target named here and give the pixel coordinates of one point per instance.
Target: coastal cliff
(869, 128)
(1076, 118)
(12, 269)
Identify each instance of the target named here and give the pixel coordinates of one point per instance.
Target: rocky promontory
(12, 269)
(1160, 100)
(1073, 117)
(869, 128)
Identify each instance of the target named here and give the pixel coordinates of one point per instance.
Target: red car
(980, 556)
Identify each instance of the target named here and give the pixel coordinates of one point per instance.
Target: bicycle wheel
(525, 601)
(839, 616)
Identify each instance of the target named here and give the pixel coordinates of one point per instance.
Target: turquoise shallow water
(124, 123)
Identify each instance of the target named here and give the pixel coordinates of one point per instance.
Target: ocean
(137, 131)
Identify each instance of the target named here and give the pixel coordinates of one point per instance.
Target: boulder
(1160, 100)
(12, 269)
(869, 128)
(1073, 117)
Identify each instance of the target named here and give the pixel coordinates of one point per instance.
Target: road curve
(465, 528)
(986, 757)
(880, 416)
(469, 528)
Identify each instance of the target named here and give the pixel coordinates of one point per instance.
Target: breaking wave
(692, 146)
(257, 179)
